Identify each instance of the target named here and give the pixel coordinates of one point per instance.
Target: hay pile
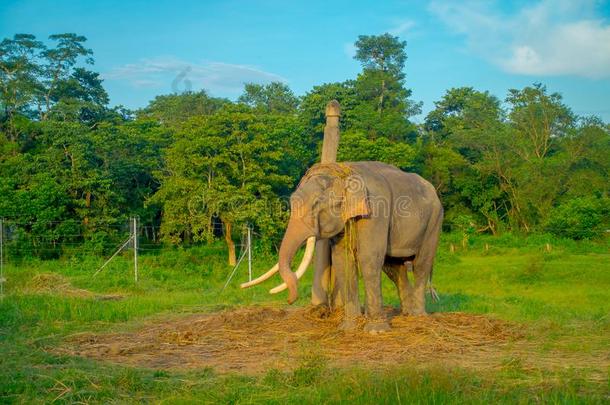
(258, 338)
(56, 284)
(53, 283)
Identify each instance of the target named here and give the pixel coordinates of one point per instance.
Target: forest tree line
(200, 167)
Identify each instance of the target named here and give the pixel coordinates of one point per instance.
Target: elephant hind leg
(417, 304)
(423, 263)
(397, 272)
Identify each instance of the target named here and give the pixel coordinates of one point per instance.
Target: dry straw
(254, 339)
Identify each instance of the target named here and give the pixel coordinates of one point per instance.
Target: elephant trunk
(296, 234)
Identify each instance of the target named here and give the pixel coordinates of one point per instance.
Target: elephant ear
(356, 202)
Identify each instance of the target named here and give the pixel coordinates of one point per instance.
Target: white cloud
(178, 75)
(551, 37)
(402, 28)
(142, 83)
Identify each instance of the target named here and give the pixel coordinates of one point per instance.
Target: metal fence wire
(55, 239)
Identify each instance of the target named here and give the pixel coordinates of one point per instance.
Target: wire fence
(67, 239)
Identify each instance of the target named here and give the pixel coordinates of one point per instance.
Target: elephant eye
(319, 203)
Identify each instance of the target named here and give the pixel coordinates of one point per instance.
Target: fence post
(2, 258)
(249, 253)
(134, 236)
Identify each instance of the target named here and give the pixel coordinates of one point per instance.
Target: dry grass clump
(53, 283)
(56, 284)
(258, 338)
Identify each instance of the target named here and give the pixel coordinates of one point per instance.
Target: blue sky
(146, 48)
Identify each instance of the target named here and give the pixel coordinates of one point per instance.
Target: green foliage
(93, 180)
(384, 106)
(173, 110)
(74, 170)
(313, 106)
(275, 97)
(46, 82)
(580, 218)
(229, 166)
(383, 53)
(515, 167)
(355, 146)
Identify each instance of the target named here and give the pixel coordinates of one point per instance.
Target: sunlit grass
(561, 297)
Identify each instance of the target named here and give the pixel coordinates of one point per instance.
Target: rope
(340, 170)
(351, 253)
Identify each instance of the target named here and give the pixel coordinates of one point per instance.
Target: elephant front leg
(322, 271)
(346, 284)
(370, 266)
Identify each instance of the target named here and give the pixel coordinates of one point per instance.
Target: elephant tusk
(307, 256)
(262, 278)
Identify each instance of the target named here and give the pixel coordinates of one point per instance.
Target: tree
(57, 68)
(312, 116)
(81, 97)
(19, 77)
(586, 151)
(384, 53)
(464, 136)
(384, 107)
(535, 174)
(38, 81)
(580, 218)
(517, 167)
(228, 167)
(538, 119)
(355, 146)
(173, 110)
(274, 97)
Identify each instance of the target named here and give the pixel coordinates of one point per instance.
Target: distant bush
(579, 218)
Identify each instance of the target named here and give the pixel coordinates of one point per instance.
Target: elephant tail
(431, 290)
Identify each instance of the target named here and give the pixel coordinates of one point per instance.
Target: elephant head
(327, 197)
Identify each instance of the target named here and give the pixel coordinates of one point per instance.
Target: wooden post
(135, 248)
(2, 258)
(249, 253)
(331, 133)
(322, 264)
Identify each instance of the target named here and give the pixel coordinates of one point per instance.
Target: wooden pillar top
(330, 144)
(333, 109)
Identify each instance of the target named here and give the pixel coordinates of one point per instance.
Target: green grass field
(559, 293)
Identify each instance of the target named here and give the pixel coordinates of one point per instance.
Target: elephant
(377, 217)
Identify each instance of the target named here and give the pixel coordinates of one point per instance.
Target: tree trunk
(381, 96)
(87, 205)
(230, 244)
